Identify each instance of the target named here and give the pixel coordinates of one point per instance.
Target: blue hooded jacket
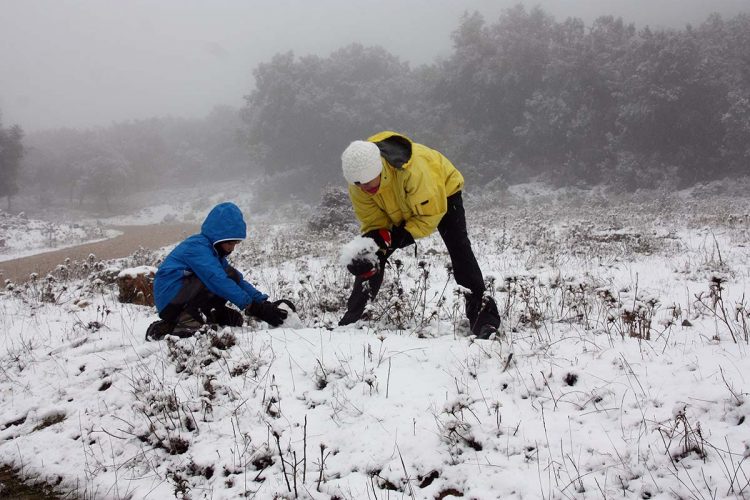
(197, 255)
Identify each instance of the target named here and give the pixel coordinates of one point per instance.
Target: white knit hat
(361, 162)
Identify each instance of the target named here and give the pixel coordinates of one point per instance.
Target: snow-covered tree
(11, 152)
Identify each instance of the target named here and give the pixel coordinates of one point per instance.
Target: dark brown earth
(132, 238)
(12, 488)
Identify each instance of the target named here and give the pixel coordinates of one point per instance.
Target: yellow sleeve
(368, 213)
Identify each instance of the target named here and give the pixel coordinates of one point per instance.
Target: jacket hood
(394, 147)
(224, 223)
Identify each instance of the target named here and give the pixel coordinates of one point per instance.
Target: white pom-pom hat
(361, 162)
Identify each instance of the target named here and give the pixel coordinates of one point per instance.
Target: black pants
(452, 229)
(197, 301)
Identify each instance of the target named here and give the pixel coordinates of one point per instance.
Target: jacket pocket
(426, 207)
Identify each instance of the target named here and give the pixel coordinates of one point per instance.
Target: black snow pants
(195, 305)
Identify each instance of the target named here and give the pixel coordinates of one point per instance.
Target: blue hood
(224, 223)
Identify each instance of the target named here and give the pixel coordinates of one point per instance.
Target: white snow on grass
(621, 369)
(21, 236)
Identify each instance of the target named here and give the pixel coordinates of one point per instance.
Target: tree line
(93, 167)
(11, 152)
(527, 97)
(522, 98)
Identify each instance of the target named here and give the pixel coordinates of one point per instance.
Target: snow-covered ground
(621, 369)
(21, 236)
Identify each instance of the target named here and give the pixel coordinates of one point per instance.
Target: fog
(87, 63)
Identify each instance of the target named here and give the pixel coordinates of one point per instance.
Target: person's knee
(171, 312)
(461, 250)
(191, 288)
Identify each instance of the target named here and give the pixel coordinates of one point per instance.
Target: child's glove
(267, 311)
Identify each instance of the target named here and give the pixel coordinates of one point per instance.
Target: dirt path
(131, 239)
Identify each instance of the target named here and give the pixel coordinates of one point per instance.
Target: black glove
(381, 237)
(288, 303)
(387, 241)
(400, 237)
(267, 311)
(363, 267)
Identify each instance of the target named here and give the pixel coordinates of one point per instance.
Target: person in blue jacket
(194, 283)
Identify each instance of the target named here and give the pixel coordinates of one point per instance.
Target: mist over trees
(11, 152)
(94, 167)
(525, 97)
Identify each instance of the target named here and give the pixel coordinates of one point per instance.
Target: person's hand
(286, 302)
(389, 240)
(381, 237)
(266, 311)
(401, 237)
(363, 268)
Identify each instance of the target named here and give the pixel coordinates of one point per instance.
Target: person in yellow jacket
(402, 190)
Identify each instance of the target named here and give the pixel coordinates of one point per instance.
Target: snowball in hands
(292, 319)
(359, 248)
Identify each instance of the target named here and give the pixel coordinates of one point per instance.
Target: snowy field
(55, 227)
(21, 236)
(621, 369)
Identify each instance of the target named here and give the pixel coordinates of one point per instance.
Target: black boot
(159, 329)
(473, 303)
(488, 319)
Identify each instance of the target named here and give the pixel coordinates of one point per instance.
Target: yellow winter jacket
(414, 187)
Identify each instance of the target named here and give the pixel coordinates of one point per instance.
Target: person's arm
(255, 294)
(370, 215)
(208, 268)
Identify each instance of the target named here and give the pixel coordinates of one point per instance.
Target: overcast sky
(92, 62)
